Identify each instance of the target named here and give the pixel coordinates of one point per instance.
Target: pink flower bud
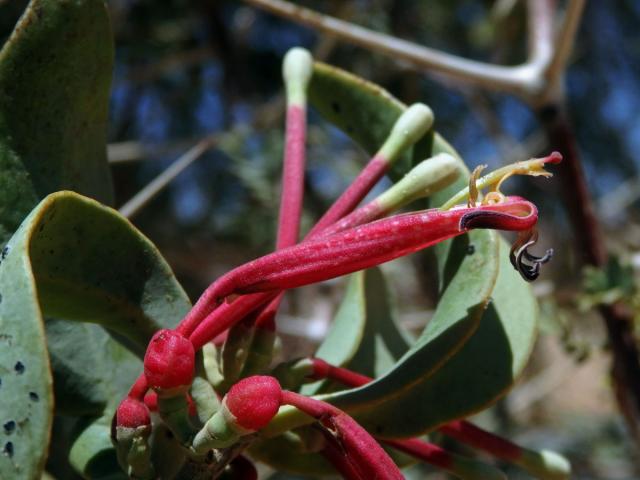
(254, 401)
(170, 361)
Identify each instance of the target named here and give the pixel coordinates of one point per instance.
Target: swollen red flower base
(169, 362)
(132, 413)
(254, 401)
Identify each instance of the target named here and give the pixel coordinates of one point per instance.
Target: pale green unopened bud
(426, 178)
(297, 70)
(410, 127)
(545, 464)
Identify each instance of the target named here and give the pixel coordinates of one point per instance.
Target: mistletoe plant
(85, 296)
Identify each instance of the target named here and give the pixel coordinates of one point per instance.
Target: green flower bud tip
(545, 464)
(410, 127)
(297, 69)
(426, 178)
(169, 363)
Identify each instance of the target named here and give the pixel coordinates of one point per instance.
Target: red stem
(340, 461)
(366, 455)
(459, 429)
(481, 439)
(430, 453)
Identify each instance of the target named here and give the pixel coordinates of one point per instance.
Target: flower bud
(248, 406)
(169, 363)
(132, 413)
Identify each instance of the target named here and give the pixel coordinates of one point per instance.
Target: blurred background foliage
(189, 69)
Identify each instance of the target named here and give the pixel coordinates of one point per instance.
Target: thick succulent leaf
(389, 405)
(93, 455)
(364, 335)
(384, 341)
(74, 258)
(55, 74)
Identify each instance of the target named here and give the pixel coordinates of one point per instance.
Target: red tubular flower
(169, 363)
(366, 246)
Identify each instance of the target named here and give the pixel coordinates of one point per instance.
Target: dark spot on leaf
(471, 249)
(336, 107)
(8, 449)
(4, 253)
(33, 396)
(9, 426)
(19, 368)
(40, 228)
(0, 298)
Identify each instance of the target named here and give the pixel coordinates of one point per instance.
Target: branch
(140, 199)
(564, 41)
(520, 79)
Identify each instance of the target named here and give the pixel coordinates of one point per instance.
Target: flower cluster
(214, 411)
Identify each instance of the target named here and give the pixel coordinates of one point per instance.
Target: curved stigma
(524, 262)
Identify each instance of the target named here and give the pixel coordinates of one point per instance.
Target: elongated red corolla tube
(410, 127)
(365, 455)
(544, 464)
(423, 180)
(297, 69)
(427, 177)
(248, 406)
(366, 246)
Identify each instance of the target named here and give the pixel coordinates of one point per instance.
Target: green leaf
(364, 335)
(75, 259)
(55, 74)
(364, 111)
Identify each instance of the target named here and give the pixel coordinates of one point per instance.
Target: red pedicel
(169, 362)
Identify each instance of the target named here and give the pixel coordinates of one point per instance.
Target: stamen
(473, 189)
(519, 253)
